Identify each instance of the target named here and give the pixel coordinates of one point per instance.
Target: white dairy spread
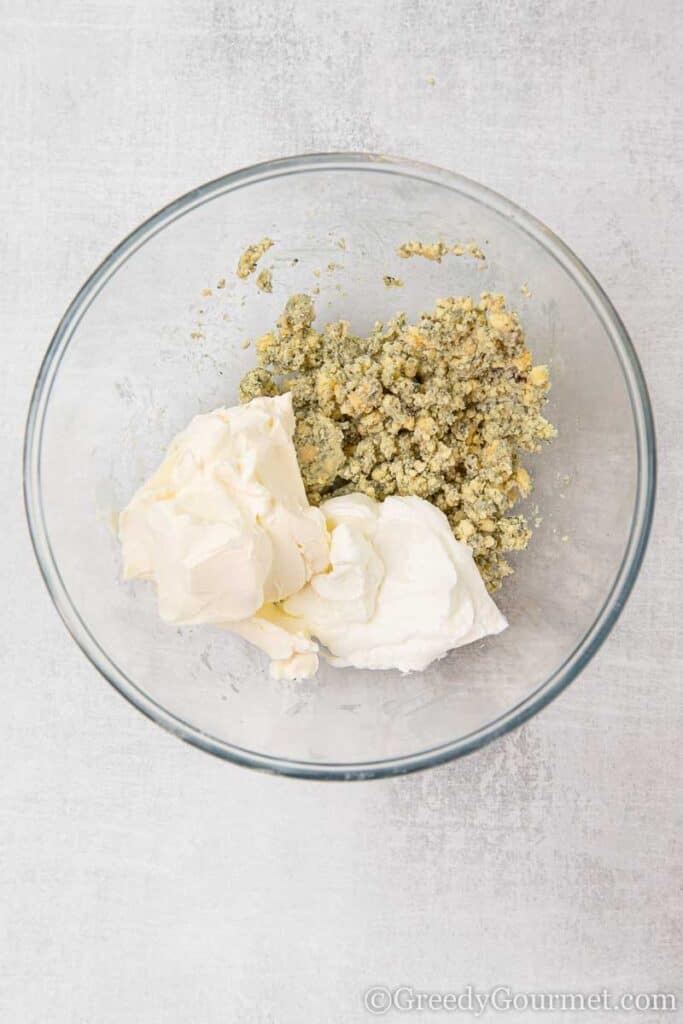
(287, 642)
(401, 591)
(224, 527)
(225, 531)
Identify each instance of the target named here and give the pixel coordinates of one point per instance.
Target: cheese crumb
(264, 281)
(248, 261)
(429, 251)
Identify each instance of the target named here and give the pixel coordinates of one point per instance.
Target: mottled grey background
(143, 881)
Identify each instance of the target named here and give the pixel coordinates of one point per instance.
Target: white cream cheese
(286, 641)
(401, 591)
(225, 531)
(224, 527)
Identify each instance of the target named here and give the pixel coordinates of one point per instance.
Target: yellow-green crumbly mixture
(441, 409)
(437, 250)
(264, 280)
(433, 251)
(248, 261)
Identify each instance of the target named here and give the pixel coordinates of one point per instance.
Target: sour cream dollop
(401, 591)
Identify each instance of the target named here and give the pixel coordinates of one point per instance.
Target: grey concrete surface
(142, 881)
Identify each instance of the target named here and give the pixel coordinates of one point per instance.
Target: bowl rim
(621, 586)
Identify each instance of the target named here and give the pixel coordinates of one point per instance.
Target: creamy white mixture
(224, 529)
(401, 591)
(223, 526)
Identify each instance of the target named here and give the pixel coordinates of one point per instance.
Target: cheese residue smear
(225, 531)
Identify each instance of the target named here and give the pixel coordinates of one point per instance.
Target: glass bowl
(157, 335)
